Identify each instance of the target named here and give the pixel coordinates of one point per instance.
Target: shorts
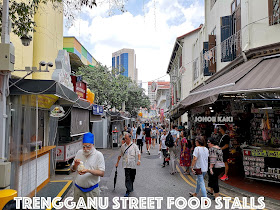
(139, 142)
(154, 137)
(148, 140)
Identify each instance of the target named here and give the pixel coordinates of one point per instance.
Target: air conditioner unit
(5, 174)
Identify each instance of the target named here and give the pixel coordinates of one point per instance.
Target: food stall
(261, 159)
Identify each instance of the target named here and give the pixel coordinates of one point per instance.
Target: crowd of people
(199, 154)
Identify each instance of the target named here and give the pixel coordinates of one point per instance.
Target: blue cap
(88, 138)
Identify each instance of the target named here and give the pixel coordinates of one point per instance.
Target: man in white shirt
(129, 153)
(91, 166)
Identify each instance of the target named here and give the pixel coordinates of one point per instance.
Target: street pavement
(154, 181)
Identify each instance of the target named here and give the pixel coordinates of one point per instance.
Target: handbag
(197, 171)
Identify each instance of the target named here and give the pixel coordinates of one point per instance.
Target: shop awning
(265, 77)
(209, 92)
(48, 88)
(95, 118)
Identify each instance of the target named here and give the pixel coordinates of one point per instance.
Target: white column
(5, 38)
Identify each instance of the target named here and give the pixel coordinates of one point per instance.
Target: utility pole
(4, 83)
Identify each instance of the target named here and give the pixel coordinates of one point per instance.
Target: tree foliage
(22, 13)
(112, 89)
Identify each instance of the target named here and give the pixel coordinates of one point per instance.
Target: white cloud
(151, 35)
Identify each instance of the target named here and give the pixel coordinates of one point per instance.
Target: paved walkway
(154, 181)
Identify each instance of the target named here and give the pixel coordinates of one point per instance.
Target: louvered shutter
(226, 32)
(212, 61)
(205, 63)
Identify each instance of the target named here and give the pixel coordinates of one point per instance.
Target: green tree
(136, 99)
(112, 90)
(22, 13)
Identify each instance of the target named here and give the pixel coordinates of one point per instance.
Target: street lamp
(25, 40)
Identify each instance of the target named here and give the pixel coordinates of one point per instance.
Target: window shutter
(205, 63)
(270, 11)
(226, 32)
(212, 61)
(180, 64)
(238, 29)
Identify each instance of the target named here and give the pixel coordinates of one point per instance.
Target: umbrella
(115, 178)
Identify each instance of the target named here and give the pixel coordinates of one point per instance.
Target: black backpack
(169, 141)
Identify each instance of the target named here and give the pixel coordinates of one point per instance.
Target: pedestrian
(216, 167)
(91, 166)
(163, 147)
(185, 157)
(154, 136)
(181, 127)
(139, 137)
(131, 157)
(134, 129)
(199, 166)
(129, 128)
(147, 133)
(224, 145)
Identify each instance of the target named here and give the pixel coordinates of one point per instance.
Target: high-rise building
(125, 61)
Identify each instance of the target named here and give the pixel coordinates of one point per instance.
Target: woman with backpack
(185, 157)
(199, 166)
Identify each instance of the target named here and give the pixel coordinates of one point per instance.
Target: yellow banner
(44, 101)
(266, 153)
(259, 153)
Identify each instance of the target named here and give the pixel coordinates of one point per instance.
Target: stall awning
(42, 87)
(263, 78)
(209, 93)
(95, 118)
(79, 122)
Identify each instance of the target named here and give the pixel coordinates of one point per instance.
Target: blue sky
(150, 27)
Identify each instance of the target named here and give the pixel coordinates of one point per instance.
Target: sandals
(192, 194)
(209, 193)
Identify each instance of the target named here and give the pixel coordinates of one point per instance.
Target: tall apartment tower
(125, 59)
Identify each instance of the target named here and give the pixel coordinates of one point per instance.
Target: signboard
(44, 101)
(68, 151)
(256, 164)
(63, 69)
(97, 110)
(60, 153)
(72, 149)
(80, 87)
(57, 111)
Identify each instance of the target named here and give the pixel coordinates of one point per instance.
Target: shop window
(274, 12)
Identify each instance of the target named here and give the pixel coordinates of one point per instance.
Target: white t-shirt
(162, 139)
(94, 161)
(202, 155)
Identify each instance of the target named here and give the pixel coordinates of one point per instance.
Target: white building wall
(261, 33)
(255, 31)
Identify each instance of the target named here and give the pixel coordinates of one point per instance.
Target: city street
(154, 181)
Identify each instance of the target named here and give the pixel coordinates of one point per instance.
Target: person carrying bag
(199, 166)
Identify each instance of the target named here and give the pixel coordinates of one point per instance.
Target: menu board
(262, 164)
